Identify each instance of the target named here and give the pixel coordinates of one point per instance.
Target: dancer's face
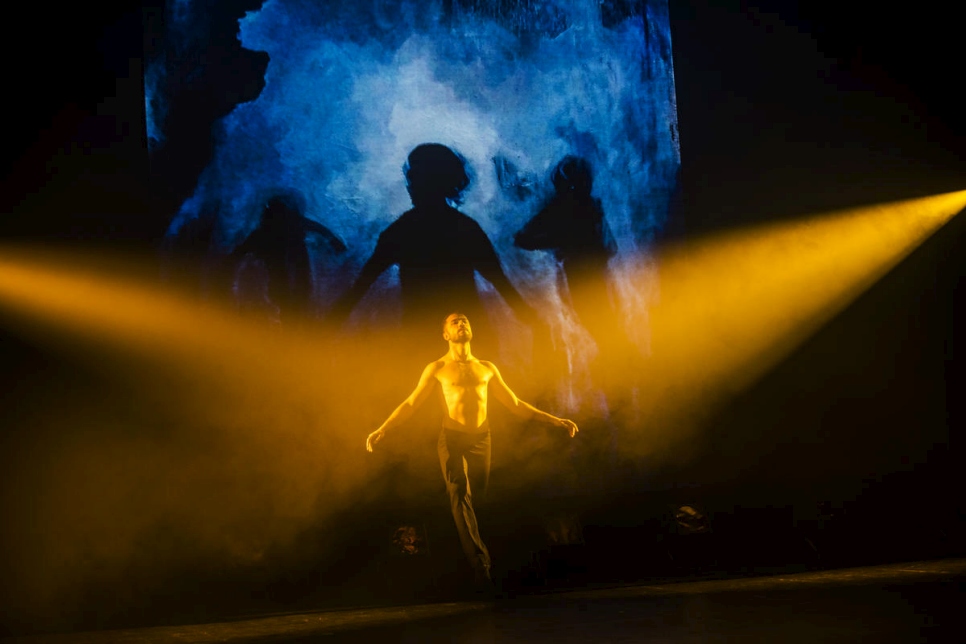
(457, 328)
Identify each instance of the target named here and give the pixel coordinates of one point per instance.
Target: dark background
(849, 452)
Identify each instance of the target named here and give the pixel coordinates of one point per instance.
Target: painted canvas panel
(290, 137)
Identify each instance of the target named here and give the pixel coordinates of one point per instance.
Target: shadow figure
(272, 269)
(195, 259)
(438, 249)
(573, 227)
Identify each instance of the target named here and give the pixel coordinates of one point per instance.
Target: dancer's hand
(374, 438)
(570, 426)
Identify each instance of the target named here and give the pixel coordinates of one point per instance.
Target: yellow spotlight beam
(729, 307)
(64, 292)
(268, 404)
(109, 305)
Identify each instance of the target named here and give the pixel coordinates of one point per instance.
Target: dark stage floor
(913, 602)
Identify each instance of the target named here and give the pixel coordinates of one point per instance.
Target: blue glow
(351, 90)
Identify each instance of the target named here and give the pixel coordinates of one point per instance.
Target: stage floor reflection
(911, 602)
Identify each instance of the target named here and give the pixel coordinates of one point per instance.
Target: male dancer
(464, 443)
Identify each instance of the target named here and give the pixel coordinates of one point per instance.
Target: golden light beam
(238, 434)
(110, 305)
(64, 292)
(731, 306)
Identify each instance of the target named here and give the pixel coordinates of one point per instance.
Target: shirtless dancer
(464, 443)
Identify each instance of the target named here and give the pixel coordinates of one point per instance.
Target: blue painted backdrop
(513, 86)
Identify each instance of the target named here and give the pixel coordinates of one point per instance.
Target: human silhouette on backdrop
(437, 248)
(573, 227)
(190, 252)
(272, 267)
(464, 442)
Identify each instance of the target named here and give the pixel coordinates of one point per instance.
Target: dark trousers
(465, 459)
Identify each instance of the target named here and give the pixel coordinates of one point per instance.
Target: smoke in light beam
(177, 430)
(732, 306)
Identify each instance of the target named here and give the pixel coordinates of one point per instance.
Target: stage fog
(187, 437)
